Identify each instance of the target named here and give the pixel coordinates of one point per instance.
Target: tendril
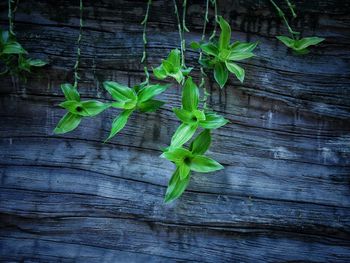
(76, 65)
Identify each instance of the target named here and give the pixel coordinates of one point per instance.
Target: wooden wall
(284, 195)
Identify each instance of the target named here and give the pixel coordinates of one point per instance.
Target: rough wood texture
(283, 196)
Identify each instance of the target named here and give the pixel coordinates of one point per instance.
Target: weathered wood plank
(283, 196)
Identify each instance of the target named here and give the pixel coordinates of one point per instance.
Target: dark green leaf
(150, 91)
(119, 123)
(213, 121)
(119, 92)
(190, 95)
(168, 66)
(174, 58)
(235, 69)
(183, 115)
(306, 42)
(243, 47)
(225, 35)
(204, 164)
(183, 133)
(70, 92)
(14, 48)
(202, 143)
(176, 186)
(150, 105)
(68, 123)
(195, 45)
(220, 74)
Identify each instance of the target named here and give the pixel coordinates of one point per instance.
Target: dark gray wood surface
(284, 195)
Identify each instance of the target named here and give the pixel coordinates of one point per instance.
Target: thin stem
(283, 16)
(291, 8)
(184, 27)
(202, 84)
(216, 19)
(144, 36)
(10, 17)
(182, 41)
(76, 66)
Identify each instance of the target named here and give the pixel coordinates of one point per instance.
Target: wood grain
(284, 195)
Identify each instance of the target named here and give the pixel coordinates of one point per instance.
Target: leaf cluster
(221, 55)
(300, 46)
(13, 57)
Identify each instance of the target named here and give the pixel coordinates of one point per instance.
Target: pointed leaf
(235, 69)
(13, 48)
(94, 107)
(202, 143)
(306, 42)
(243, 47)
(150, 91)
(225, 35)
(190, 95)
(184, 171)
(68, 123)
(183, 134)
(183, 115)
(220, 74)
(210, 49)
(289, 42)
(176, 155)
(119, 123)
(119, 92)
(160, 72)
(236, 56)
(70, 92)
(176, 186)
(174, 58)
(36, 62)
(204, 164)
(74, 107)
(213, 121)
(150, 105)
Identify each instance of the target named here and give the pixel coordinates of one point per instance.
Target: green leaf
(184, 171)
(70, 92)
(177, 155)
(168, 66)
(220, 74)
(190, 95)
(213, 121)
(160, 72)
(186, 71)
(235, 69)
(150, 91)
(119, 92)
(183, 134)
(119, 123)
(202, 143)
(94, 107)
(236, 56)
(204, 164)
(210, 49)
(225, 35)
(174, 58)
(68, 123)
(150, 105)
(74, 107)
(243, 47)
(289, 42)
(195, 45)
(176, 186)
(199, 115)
(13, 48)
(183, 115)
(36, 62)
(306, 42)
(177, 75)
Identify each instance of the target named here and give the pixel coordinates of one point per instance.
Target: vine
(297, 44)
(13, 57)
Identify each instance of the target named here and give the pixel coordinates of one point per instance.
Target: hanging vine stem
(291, 8)
(76, 65)
(216, 19)
(181, 33)
(283, 16)
(202, 84)
(144, 38)
(10, 17)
